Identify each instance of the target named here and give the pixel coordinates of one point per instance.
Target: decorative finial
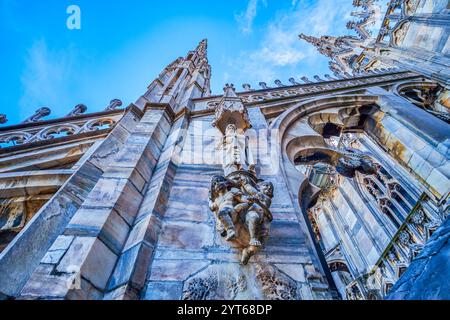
(306, 80)
(114, 105)
(78, 110)
(329, 77)
(38, 115)
(292, 80)
(279, 83)
(247, 87)
(202, 48)
(313, 40)
(3, 119)
(318, 79)
(229, 90)
(263, 85)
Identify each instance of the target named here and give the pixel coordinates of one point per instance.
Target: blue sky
(123, 45)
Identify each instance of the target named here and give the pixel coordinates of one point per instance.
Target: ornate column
(240, 201)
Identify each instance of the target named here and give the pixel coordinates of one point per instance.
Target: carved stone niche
(231, 110)
(241, 204)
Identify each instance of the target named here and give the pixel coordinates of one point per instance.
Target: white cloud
(281, 48)
(245, 19)
(45, 79)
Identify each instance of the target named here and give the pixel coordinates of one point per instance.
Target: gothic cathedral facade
(335, 187)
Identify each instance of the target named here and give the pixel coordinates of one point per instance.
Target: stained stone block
(121, 133)
(420, 166)
(118, 194)
(128, 121)
(124, 293)
(76, 255)
(306, 292)
(45, 285)
(53, 257)
(160, 291)
(435, 158)
(183, 207)
(100, 258)
(106, 152)
(111, 228)
(285, 233)
(439, 182)
(295, 271)
(132, 267)
(148, 230)
(131, 174)
(175, 270)
(301, 256)
(124, 268)
(62, 243)
(285, 214)
(152, 117)
(86, 291)
(105, 193)
(186, 235)
(130, 155)
(89, 255)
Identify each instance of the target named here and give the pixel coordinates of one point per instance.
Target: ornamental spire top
(3, 119)
(313, 40)
(202, 47)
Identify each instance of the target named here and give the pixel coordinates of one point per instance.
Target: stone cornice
(317, 87)
(54, 142)
(287, 93)
(26, 126)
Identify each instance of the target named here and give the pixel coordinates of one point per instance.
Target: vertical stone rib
(130, 274)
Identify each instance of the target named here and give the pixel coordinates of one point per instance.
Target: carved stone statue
(236, 151)
(227, 201)
(240, 201)
(242, 208)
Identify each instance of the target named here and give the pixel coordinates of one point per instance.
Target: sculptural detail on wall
(241, 204)
(352, 161)
(346, 161)
(236, 151)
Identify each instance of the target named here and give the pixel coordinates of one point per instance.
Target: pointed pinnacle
(313, 40)
(3, 119)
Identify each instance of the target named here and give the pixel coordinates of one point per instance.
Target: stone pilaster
(130, 274)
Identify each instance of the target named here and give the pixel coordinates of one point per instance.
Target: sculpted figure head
(219, 183)
(266, 188)
(231, 129)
